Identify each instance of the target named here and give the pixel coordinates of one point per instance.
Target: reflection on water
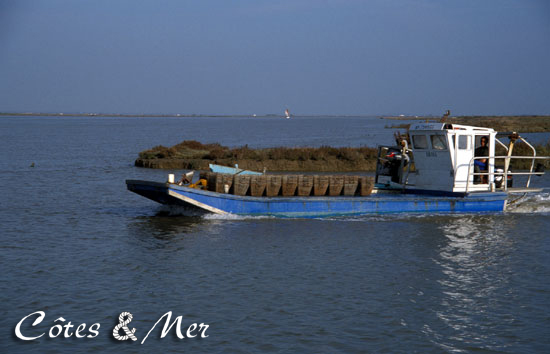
(163, 230)
(163, 227)
(475, 273)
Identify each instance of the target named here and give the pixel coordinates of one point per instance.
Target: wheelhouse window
(438, 142)
(420, 141)
(463, 142)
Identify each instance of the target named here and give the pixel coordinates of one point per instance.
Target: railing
(505, 173)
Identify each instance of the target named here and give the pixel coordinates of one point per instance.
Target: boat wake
(536, 203)
(235, 217)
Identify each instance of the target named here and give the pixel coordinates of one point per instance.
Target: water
(76, 244)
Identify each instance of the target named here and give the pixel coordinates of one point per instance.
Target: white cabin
(444, 161)
(443, 156)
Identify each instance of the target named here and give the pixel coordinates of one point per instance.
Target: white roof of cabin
(427, 126)
(441, 126)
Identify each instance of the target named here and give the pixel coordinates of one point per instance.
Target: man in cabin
(480, 165)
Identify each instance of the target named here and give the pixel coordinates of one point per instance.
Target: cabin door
(464, 151)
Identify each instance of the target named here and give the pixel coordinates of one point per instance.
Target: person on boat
(480, 165)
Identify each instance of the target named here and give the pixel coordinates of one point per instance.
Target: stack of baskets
(288, 185)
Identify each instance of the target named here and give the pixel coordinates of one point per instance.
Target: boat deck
(524, 190)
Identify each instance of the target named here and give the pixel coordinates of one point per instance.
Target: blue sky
(348, 57)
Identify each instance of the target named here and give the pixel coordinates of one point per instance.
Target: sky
(315, 57)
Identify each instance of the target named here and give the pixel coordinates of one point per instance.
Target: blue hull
(304, 207)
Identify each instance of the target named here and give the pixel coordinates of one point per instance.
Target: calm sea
(76, 244)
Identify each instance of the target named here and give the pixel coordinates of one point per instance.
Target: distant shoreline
(124, 115)
(173, 115)
(390, 117)
(520, 123)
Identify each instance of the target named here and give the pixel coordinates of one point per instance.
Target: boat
(231, 170)
(287, 114)
(444, 179)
